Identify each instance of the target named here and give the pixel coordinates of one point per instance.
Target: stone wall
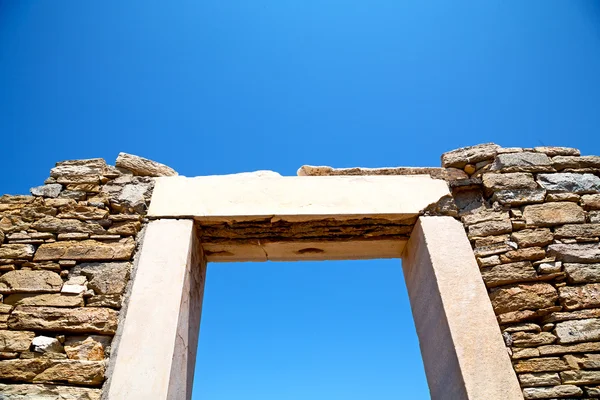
(66, 257)
(533, 218)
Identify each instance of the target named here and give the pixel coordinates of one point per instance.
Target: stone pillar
(157, 352)
(461, 343)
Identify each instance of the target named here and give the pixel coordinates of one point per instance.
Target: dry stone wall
(533, 218)
(66, 257)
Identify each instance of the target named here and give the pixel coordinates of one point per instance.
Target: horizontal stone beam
(243, 197)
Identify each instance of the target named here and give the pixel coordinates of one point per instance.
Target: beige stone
(91, 348)
(529, 339)
(508, 273)
(543, 364)
(15, 340)
(459, 349)
(575, 253)
(51, 370)
(511, 181)
(583, 273)
(47, 392)
(577, 230)
(525, 352)
(59, 225)
(490, 228)
(553, 151)
(126, 228)
(522, 297)
(578, 330)
(30, 281)
(591, 201)
(15, 251)
(86, 250)
(448, 174)
(533, 237)
(142, 166)
(580, 377)
(551, 392)
(567, 316)
(82, 213)
(75, 320)
(550, 214)
(540, 379)
(294, 197)
(562, 162)
(459, 158)
(526, 254)
(577, 297)
(44, 300)
(557, 349)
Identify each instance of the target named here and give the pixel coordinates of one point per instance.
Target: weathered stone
(553, 151)
(105, 237)
(30, 282)
(562, 162)
(580, 377)
(490, 228)
(98, 163)
(67, 174)
(448, 174)
(577, 297)
(529, 339)
(493, 182)
(519, 197)
(488, 261)
(76, 320)
(585, 361)
(484, 215)
(459, 158)
(567, 316)
(549, 267)
(142, 166)
(575, 253)
(591, 201)
(553, 214)
(556, 349)
(52, 190)
(77, 195)
(562, 197)
(91, 348)
(51, 370)
(524, 327)
(593, 391)
(17, 251)
(126, 228)
(1, 237)
(544, 364)
(551, 392)
(569, 182)
(539, 379)
(105, 300)
(13, 223)
(86, 250)
(519, 353)
(594, 216)
(522, 162)
(59, 225)
(522, 297)
(105, 278)
(82, 213)
(582, 273)
(45, 344)
(15, 340)
(526, 254)
(18, 199)
(578, 330)
(84, 187)
(73, 236)
(508, 273)
(577, 230)
(44, 300)
(47, 392)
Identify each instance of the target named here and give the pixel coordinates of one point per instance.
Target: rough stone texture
(47, 392)
(91, 348)
(578, 230)
(44, 300)
(563, 162)
(578, 330)
(15, 340)
(27, 281)
(45, 344)
(533, 237)
(551, 392)
(469, 155)
(52, 190)
(13, 251)
(52, 370)
(522, 162)
(76, 320)
(85, 250)
(577, 297)
(553, 151)
(540, 379)
(142, 166)
(569, 182)
(550, 214)
(105, 278)
(522, 297)
(583, 273)
(575, 253)
(493, 182)
(517, 197)
(508, 273)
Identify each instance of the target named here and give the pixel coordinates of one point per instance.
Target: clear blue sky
(215, 87)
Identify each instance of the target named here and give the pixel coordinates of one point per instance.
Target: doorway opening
(298, 330)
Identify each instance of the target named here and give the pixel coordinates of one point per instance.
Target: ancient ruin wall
(533, 218)
(66, 258)
(532, 215)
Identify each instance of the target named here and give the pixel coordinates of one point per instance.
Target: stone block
(553, 151)
(74, 320)
(28, 281)
(551, 392)
(142, 166)
(543, 364)
(582, 273)
(577, 297)
(569, 182)
(469, 155)
(518, 197)
(105, 278)
(549, 214)
(15, 340)
(533, 237)
(493, 182)
(508, 273)
(562, 162)
(52, 190)
(539, 379)
(522, 162)
(91, 348)
(580, 377)
(44, 300)
(575, 253)
(47, 392)
(578, 331)
(522, 297)
(86, 250)
(17, 251)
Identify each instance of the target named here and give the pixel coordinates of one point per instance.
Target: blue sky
(214, 87)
